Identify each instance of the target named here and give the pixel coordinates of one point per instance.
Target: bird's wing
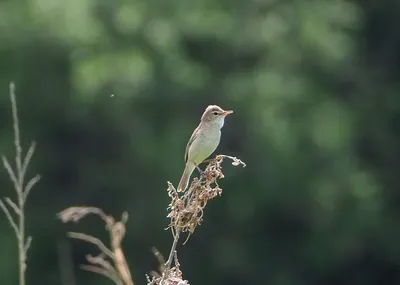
(191, 140)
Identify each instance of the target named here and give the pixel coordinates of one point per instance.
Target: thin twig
(17, 178)
(99, 260)
(10, 172)
(74, 214)
(28, 244)
(122, 266)
(92, 240)
(17, 142)
(117, 234)
(102, 271)
(27, 159)
(173, 249)
(9, 217)
(29, 186)
(13, 206)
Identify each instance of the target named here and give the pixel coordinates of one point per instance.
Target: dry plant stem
(111, 262)
(103, 272)
(17, 176)
(173, 249)
(117, 234)
(93, 240)
(186, 211)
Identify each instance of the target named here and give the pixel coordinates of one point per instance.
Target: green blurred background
(315, 89)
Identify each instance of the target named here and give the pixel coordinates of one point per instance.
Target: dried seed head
(74, 214)
(186, 211)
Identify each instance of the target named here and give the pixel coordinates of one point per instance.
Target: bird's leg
(200, 171)
(207, 160)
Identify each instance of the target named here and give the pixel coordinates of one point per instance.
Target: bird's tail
(183, 184)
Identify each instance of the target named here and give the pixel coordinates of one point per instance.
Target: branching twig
(93, 240)
(173, 250)
(13, 206)
(118, 272)
(9, 217)
(17, 177)
(103, 272)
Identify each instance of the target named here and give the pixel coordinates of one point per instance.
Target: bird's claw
(200, 171)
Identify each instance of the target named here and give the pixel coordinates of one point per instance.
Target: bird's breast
(204, 145)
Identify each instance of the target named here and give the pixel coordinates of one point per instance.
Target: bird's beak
(226, 113)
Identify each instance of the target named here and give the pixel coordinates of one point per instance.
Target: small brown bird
(203, 142)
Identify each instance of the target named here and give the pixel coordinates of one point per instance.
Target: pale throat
(218, 123)
(214, 126)
(221, 122)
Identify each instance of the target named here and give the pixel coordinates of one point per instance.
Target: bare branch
(30, 184)
(10, 218)
(100, 260)
(28, 244)
(11, 173)
(92, 240)
(173, 249)
(117, 233)
(122, 266)
(13, 206)
(102, 271)
(27, 159)
(17, 178)
(17, 141)
(74, 214)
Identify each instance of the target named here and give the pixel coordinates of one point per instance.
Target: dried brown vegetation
(111, 261)
(185, 212)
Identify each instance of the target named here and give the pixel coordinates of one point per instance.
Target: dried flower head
(186, 211)
(74, 214)
(169, 276)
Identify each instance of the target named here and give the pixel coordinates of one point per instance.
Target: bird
(203, 142)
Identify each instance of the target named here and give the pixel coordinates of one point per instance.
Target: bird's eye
(215, 113)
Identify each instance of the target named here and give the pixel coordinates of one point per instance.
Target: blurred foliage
(111, 91)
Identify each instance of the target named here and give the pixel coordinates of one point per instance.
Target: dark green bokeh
(315, 89)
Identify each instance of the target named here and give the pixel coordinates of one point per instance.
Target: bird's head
(215, 115)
